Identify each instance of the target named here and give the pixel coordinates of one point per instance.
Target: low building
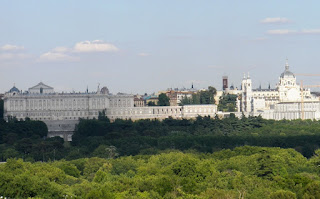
(138, 101)
(151, 99)
(162, 112)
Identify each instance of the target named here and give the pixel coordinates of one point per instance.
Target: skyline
(138, 47)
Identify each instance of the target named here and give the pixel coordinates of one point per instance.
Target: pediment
(41, 85)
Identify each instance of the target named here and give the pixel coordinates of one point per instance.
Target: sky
(145, 46)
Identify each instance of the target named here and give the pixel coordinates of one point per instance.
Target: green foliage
(227, 103)
(151, 103)
(282, 194)
(91, 166)
(102, 116)
(224, 174)
(68, 168)
(101, 138)
(164, 100)
(202, 97)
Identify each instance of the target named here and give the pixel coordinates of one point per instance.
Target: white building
(62, 111)
(283, 102)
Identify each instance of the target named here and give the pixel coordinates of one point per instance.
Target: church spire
(287, 65)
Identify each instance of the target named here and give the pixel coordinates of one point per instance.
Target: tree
(102, 116)
(227, 103)
(207, 97)
(164, 100)
(282, 194)
(151, 103)
(111, 152)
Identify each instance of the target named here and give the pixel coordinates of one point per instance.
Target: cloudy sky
(144, 46)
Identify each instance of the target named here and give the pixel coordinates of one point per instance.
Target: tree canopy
(164, 100)
(202, 97)
(244, 172)
(227, 103)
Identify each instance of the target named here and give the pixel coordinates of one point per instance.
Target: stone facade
(161, 112)
(62, 111)
(283, 102)
(261, 100)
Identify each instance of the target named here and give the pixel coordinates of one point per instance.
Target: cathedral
(287, 101)
(259, 100)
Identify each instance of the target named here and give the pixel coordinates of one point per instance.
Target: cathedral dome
(287, 73)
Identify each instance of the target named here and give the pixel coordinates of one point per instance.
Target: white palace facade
(62, 111)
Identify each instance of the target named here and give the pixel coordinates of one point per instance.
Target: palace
(62, 111)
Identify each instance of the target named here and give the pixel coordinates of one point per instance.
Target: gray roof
(286, 72)
(14, 89)
(41, 84)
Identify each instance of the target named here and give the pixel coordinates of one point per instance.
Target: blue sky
(147, 46)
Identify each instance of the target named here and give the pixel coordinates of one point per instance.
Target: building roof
(14, 89)
(286, 72)
(41, 84)
(264, 90)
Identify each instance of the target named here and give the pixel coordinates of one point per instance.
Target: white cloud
(62, 53)
(56, 57)
(297, 32)
(310, 31)
(94, 46)
(9, 47)
(14, 56)
(143, 54)
(281, 32)
(61, 49)
(275, 20)
(260, 39)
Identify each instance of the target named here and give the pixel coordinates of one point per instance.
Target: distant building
(151, 99)
(41, 102)
(224, 82)
(139, 101)
(285, 101)
(176, 95)
(62, 111)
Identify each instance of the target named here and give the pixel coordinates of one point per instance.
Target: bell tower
(246, 84)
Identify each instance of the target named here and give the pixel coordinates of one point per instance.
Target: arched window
(41, 90)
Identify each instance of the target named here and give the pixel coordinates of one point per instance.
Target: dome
(105, 90)
(287, 73)
(14, 89)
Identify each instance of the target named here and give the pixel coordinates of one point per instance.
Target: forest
(27, 139)
(244, 172)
